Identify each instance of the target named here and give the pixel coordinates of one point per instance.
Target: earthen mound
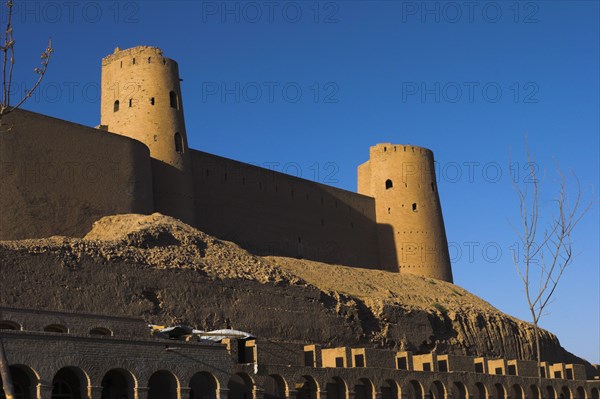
(161, 269)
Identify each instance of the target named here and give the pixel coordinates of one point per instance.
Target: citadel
(58, 178)
(138, 161)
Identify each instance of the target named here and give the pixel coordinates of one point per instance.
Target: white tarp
(176, 332)
(218, 335)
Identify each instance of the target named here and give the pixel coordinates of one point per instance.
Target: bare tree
(546, 242)
(8, 64)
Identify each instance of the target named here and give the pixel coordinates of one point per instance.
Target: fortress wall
(57, 177)
(271, 213)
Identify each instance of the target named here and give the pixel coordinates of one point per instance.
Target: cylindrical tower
(141, 99)
(412, 237)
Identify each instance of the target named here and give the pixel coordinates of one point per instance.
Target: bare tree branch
(546, 256)
(8, 61)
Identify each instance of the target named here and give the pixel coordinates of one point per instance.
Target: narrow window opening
(570, 374)
(121, 64)
(164, 61)
(384, 149)
(149, 60)
(56, 328)
(543, 372)
(433, 187)
(133, 62)
(443, 365)
(173, 100)
(512, 369)
(178, 143)
(9, 325)
(309, 358)
(100, 331)
(402, 363)
(389, 211)
(116, 106)
(388, 184)
(152, 101)
(130, 102)
(359, 360)
(414, 206)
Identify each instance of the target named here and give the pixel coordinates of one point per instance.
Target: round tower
(141, 99)
(412, 237)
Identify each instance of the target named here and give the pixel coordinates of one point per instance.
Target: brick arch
(336, 388)
(414, 390)
(580, 393)
(275, 387)
(163, 384)
(204, 385)
(240, 386)
(499, 391)
(565, 393)
(118, 383)
(364, 389)
(10, 325)
(310, 389)
(390, 389)
(534, 392)
(437, 390)
(550, 392)
(459, 390)
(517, 392)
(25, 380)
(73, 380)
(480, 391)
(56, 328)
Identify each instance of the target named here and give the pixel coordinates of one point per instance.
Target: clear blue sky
(314, 84)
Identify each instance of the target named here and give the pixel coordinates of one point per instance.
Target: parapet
(118, 53)
(345, 357)
(389, 148)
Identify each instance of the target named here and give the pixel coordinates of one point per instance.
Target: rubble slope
(161, 269)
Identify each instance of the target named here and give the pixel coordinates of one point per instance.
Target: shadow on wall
(57, 177)
(173, 192)
(388, 250)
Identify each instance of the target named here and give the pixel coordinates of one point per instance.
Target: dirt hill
(168, 272)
